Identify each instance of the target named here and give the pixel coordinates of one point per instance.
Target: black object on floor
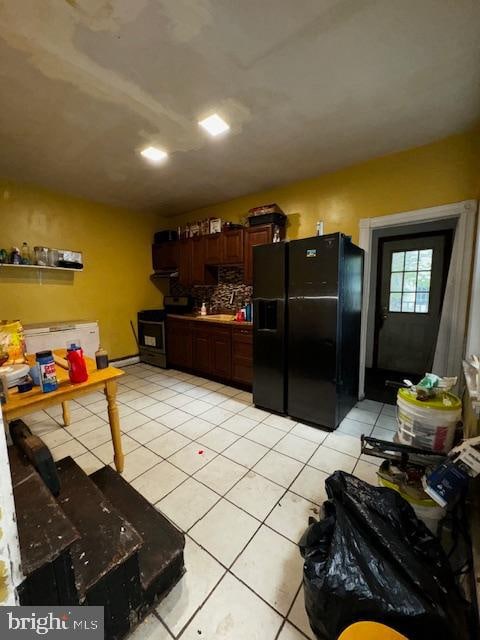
(371, 558)
(37, 452)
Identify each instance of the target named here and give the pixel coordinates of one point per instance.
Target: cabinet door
(201, 350)
(198, 261)
(213, 249)
(233, 246)
(179, 343)
(221, 356)
(185, 262)
(164, 256)
(263, 234)
(242, 356)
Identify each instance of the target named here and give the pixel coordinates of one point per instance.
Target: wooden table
(21, 404)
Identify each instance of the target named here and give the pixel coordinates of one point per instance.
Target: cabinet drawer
(242, 373)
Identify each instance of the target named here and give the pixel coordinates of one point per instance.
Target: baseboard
(123, 362)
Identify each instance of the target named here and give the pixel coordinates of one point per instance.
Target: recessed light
(214, 125)
(154, 154)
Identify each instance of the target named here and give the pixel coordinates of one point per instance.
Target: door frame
(448, 235)
(466, 214)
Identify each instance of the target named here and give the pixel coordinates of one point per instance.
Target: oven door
(152, 335)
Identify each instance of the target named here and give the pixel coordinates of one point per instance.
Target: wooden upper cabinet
(263, 234)
(164, 256)
(214, 248)
(185, 262)
(198, 260)
(233, 249)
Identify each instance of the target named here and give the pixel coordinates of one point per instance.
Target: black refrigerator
(307, 297)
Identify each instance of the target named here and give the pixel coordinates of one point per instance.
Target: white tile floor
(240, 482)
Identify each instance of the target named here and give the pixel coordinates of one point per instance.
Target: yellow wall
(439, 173)
(116, 250)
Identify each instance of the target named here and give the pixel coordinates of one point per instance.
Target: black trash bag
(371, 558)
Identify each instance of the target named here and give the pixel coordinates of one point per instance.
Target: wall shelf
(38, 267)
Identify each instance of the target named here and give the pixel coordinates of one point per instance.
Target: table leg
(66, 413)
(111, 394)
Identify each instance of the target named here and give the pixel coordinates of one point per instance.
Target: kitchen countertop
(214, 318)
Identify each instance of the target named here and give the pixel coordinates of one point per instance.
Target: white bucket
(426, 510)
(430, 515)
(422, 425)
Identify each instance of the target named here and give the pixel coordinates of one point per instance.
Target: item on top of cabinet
(194, 230)
(231, 226)
(3, 256)
(205, 227)
(101, 358)
(25, 254)
(15, 257)
(77, 367)
(279, 219)
(47, 371)
(41, 256)
(215, 225)
(167, 235)
(203, 309)
(265, 208)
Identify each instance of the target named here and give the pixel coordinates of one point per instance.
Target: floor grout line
(219, 496)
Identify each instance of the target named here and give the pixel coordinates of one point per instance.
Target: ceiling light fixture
(214, 124)
(154, 154)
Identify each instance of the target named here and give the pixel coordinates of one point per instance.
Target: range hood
(164, 273)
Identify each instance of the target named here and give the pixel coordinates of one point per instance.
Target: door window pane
(411, 260)
(408, 302)
(425, 259)
(395, 302)
(421, 303)
(398, 260)
(423, 281)
(396, 281)
(410, 280)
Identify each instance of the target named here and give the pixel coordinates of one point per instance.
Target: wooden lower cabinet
(179, 343)
(242, 356)
(219, 351)
(201, 350)
(221, 356)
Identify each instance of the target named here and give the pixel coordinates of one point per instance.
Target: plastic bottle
(77, 367)
(25, 254)
(203, 309)
(15, 257)
(101, 358)
(47, 372)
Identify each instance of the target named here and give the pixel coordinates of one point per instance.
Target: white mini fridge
(56, 335)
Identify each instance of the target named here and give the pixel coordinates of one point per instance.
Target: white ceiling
(308, 86)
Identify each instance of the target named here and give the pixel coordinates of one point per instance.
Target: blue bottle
(46, 368)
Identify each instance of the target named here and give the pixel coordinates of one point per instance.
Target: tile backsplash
(217, 297)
